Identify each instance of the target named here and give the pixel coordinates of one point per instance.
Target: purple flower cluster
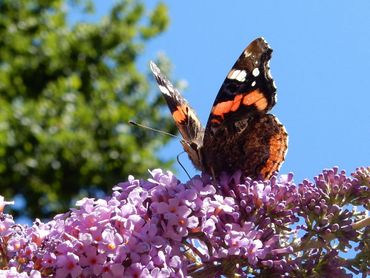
(322, 205)
(163, 228)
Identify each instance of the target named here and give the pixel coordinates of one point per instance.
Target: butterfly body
(239, 134)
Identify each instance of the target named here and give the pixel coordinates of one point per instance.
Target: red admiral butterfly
(239, 134)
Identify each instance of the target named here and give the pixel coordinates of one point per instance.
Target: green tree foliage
(67, 92)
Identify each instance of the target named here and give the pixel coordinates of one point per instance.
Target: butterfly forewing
(184, 116)
(248, 88)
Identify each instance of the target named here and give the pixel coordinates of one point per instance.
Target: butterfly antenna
(182, 166)
(166, 133)
(153, 129)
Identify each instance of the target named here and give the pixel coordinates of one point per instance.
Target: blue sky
(320, 63)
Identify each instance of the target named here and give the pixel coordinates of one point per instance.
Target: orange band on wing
(226, 106)
(236, 103)
(179, 115)
(221, 108)
(255, 98)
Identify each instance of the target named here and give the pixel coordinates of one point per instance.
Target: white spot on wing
(237, 75)
(164, 90)
(256, 72)
(241, 76)
(253, 83)
(232, 74)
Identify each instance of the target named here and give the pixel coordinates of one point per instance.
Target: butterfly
(240, 133)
